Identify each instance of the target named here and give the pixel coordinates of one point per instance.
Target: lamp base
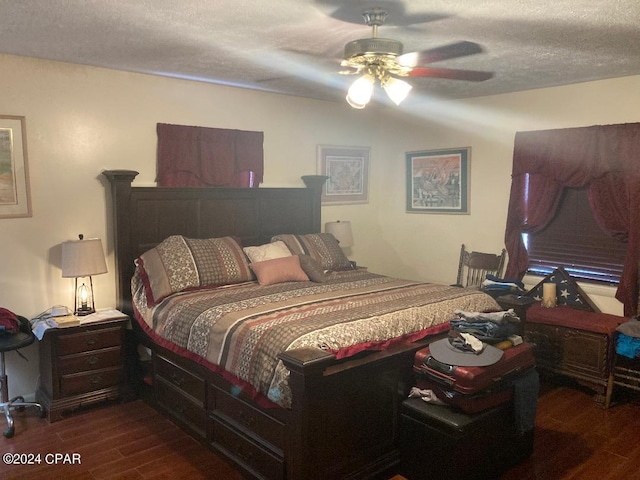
(81, 312)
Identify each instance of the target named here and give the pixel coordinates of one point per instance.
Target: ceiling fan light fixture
(360, 91)
(396, 89)
(383, 60)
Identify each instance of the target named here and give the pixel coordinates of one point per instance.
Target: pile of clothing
(628, 339)
(496, 287)
(492, 327)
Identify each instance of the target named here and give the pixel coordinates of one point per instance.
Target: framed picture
(438, 181)
(15, 198)
(348, 172)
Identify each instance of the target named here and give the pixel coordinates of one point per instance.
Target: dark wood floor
(574, 439)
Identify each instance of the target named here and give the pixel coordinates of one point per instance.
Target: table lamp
(342, 232)
(83, 258)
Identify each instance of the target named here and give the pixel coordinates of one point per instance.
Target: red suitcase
(473, 389)
(472, 403)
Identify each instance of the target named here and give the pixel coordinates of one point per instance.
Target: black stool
(10, 342)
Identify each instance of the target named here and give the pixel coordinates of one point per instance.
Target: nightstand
(519, 304)
(81, 365)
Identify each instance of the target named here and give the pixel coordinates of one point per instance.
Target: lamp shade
(396, 89)
(83, 258)
(360, 91)
(342, 232)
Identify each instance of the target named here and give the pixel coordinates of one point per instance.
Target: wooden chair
(475, 266)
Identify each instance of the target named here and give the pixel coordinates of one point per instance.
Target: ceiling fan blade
(451, 74)
(273, 79)
(351, 11)
(454, 50)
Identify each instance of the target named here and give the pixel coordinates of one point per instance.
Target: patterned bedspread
(243, 327)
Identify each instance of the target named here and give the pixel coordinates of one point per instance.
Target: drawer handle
(247, 456)
(176, 379)
(91, 340)
(95, 379)
(92, 360)
(248, 420)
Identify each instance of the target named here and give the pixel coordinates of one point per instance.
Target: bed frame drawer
(251, 456)
(182, 407)
(185, 381)
(245, 417)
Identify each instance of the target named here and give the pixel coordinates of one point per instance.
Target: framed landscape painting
(438, 181)
(347, 169)
(15, 198)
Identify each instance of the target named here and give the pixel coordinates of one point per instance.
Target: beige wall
(431, 242)
(81, 120)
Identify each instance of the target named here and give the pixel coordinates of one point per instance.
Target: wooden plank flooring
(118, 441)
(574, 439)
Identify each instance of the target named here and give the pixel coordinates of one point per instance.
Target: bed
(271, 374)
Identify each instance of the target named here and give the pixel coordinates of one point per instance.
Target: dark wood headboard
(144, 216)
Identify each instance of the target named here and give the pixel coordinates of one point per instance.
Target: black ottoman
(438, 442)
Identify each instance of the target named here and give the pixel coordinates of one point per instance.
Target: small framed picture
(15, 196)
(438, 181)
(347, 169)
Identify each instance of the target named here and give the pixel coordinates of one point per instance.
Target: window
(603, 158)
(574, 240)
(208, 157)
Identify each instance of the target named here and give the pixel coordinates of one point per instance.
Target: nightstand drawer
(92, 360)
(89, 340)
(90, 381)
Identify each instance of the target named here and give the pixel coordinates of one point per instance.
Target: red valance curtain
(606, 159)
(208, 157)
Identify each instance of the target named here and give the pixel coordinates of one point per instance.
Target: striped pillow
(322, 247)
(179, 263)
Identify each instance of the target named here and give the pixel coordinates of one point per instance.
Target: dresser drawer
(237, 412)
(90, 381)
(185, 381)
(246, 452)
(89, 340)
(181, 406)
(92, 360)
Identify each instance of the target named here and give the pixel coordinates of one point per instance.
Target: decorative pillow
(313, 269)
(322, 247)
(278, 270)
(178, 263)
(268, 251)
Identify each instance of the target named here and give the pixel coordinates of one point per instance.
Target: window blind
(574, 240)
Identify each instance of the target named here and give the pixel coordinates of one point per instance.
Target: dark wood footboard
(344, 420)
(345, 414)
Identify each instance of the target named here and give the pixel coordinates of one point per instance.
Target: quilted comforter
(242, 328)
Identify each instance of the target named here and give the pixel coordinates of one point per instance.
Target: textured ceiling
(294, 46)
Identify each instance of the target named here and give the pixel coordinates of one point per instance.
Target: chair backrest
(475, 266)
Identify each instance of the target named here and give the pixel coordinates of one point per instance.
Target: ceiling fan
(383, 59)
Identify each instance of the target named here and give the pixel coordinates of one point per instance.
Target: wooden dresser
(81, 365)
